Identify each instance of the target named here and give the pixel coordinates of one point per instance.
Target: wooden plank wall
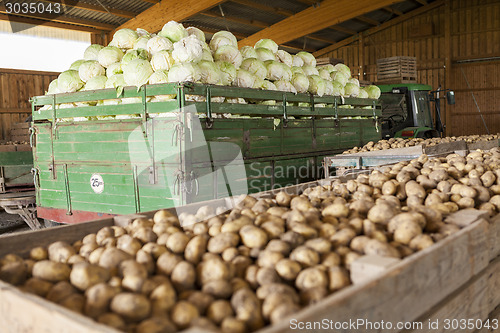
(441, 39)
(16, 88)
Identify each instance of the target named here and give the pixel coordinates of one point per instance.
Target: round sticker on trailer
(97, 183)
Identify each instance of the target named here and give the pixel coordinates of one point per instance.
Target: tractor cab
(406, 111)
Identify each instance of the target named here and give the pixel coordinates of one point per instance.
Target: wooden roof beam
(393, 11)
(264, 8)
(320, 39)
(153, 18)
(422, 2)
(63, 19)
(100, 9)
(367, 20)
(343, 30)
(381, 27)
(312, 19)
(236, 19)
(38, 21)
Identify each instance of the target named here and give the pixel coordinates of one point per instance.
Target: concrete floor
(11, 223)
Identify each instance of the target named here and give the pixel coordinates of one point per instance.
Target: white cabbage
(109, 55)
(267, 44)
(227, 72)
(158, 43)
(244, 79)
(95, 83)
(296, 69)
(76, 64)
(325, 74)
(90, 69)
(92, 51)
(268, 85)
(264, 54)
(137, 72)
(300, 82)
(339, 77)
(134, 54)
(277, 71)
(113, 69)
(329, 67)
(207, 55)
(344, 69)
(255, 66)
(53, 89)
(183, 72)
(328, 88)
(284, 57)
(197, 33)
(124, 38)
(373, 91)
(141, 43)
(188, 49)
(142, 33)
(116, 81)
(209, 72)
(160, 76)
(173, 31)
(351, 90)
(362, 93)
(317, 85)
(338, 89)
(310, 70)
(248, 52)
(230, 54)
(308, 58)
(284, 85)
(162, 60)
(69, 81)
(297, 61)
(221, 38)
(353, 81)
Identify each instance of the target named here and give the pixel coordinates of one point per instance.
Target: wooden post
(447, 64)
(101, 38)
(361, 57)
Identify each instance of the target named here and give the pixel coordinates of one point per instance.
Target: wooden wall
(449, 39)
(16, 88)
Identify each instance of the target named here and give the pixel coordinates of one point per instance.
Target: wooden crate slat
(397, 70)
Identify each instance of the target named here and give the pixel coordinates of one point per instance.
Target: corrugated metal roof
(240, 14)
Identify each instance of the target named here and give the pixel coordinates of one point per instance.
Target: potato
(134, 275)
(319, 245)
(349, 258)
(74, 302)
(342, 237)
(336, 210)
(146, 260)
(60, 291)
(98, 298)
(162, 299)
(132, 307)
(300, 203)
(406, 231)
(448, 229)
(421, 242)
(156, 325)
(253, 237)
(282, 312)
(145, 235)
(102, 234)
(167, 262)
(313, 295)
(51, 271)
(201, 300)
(273, 229)
(397, 220)
(311, 277)
(358, 243)
(163, 215)
(361, 206)
(267, 275)
(273, 300)
(219, 310)
(213, 269)
(183, 313)
(338, 278)
(39, 253)
(305, 256)
(246, 305)
(154, 249)
(37, 286)
(112, 257)
(112, 319)
(84, 275)
(14, 273)
(381, 213)
(184, 276)
(60, 251)
(377, 247)
(222, 241)
(218, 288)
(288, 269)
(233, 325)
(234, 226)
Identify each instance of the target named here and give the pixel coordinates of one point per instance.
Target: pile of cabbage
(178, 54)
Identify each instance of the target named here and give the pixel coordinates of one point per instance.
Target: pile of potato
(263, 260)
(402, 143)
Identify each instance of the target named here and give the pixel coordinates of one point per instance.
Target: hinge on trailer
(2, 180)
(32, 132)
(36, 182)
(153, 175)
(209, 120)
(336, 111)
(285, 114)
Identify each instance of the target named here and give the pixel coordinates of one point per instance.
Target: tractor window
(394, 107)
(422, 111)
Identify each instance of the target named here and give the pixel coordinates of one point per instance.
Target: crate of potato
(388, 245)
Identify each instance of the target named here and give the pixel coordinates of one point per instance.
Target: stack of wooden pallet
(397, 70)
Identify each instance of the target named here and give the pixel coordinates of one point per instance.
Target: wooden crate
(397, 70)
(20, 132)
(455, 278)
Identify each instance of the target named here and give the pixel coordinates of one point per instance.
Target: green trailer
(143, 153)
